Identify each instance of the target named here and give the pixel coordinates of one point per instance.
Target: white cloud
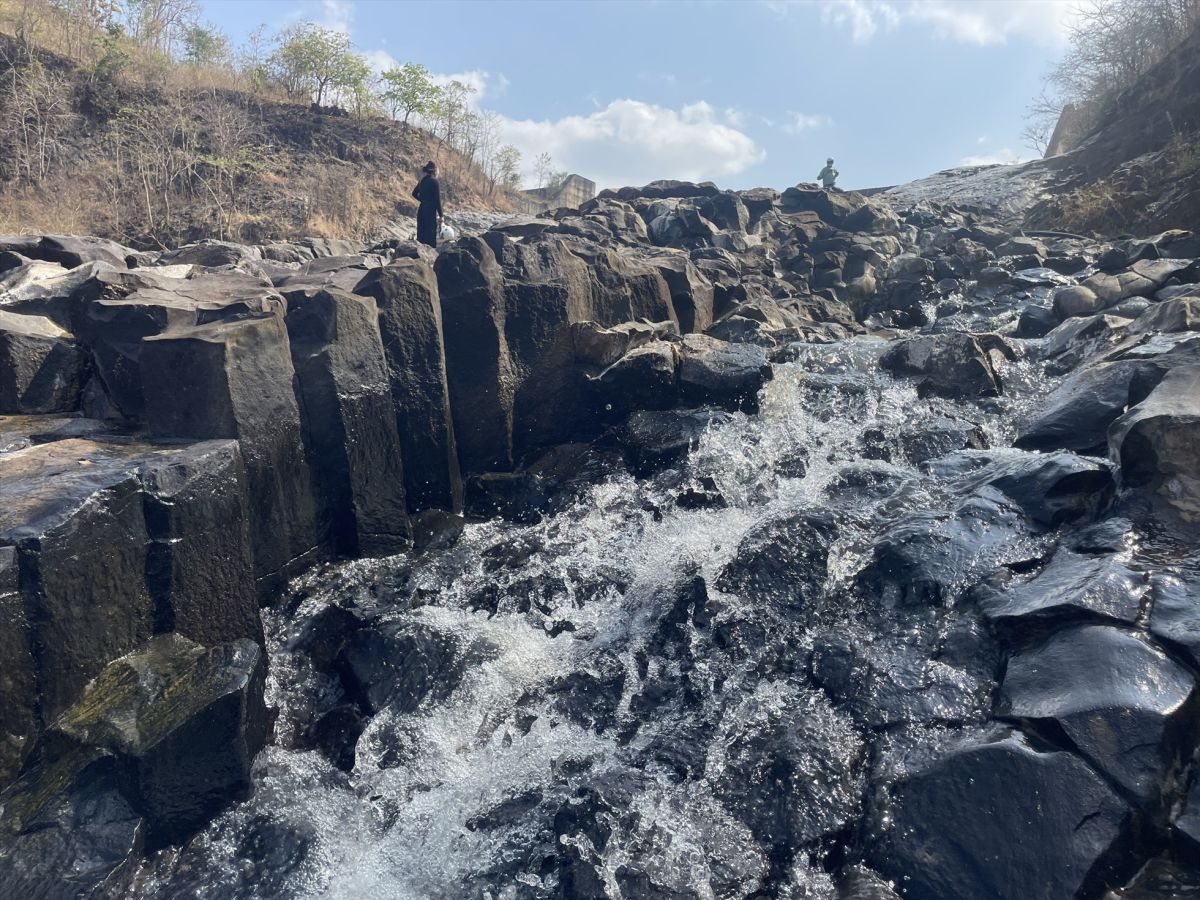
(337, 15)
(633, 142)
(478, 80)
(966, 21)
(798, 122)
(380, 60)
(1004, 157)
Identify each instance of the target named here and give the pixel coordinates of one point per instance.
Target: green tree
(409, 90)
(204, 45)
(317, 61)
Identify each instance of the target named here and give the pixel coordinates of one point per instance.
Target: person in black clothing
(429, 214)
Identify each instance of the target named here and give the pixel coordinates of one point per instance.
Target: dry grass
(1148, 194)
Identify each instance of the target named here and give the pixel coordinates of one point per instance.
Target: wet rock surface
(690, 544)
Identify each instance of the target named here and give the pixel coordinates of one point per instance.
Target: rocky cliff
(868, 525)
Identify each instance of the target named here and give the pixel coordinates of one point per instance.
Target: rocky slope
(690, 544)
(1136, 172)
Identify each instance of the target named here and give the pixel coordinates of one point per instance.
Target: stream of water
(589, 713)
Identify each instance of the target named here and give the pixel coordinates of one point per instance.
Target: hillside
(160, 165)
(1136, 172)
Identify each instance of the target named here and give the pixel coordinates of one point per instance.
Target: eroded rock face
(1157, 442)
(42, 369)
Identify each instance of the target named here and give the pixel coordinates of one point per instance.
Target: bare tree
(36, 115)
(1112, 43)
(542, 167)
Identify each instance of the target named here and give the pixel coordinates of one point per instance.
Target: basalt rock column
(349, 428)
(479, 370)
(410, 325)
(235, 380)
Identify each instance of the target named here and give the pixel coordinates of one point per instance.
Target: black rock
(410, 326)
(1175, 615)
(791, 771)
(715, 371)
(1072, 588)
(783, 562)
(1077, 414)
(42, 369)
(399, 665)
(927, 558)
(84, 839)
(348, 422)
(1157, 442)
(235, 380)
(183, 724)
(515, 496)
(1122, 704)
(653, 440)
(952, 822)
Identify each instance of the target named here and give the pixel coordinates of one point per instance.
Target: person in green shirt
(828, 175)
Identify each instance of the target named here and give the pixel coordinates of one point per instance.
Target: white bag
(447, 233)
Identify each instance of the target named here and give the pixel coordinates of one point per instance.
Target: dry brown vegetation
(110, 134)
(1133, 198)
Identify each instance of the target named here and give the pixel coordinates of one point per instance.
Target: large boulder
(1180, 314)
(235, 380)
(954, 365)
(210, 253)
(1077, 414)
(71, 250)
(183, 724)
(1054, 488)
(644, 378)
(791, 770)
(42, 369)
(716, 371)
(119, 309)
(1157, 442)
(1075, 300)
(70, 832)
(655, 439)
(349, 425)
(834, 207)
(400, 665)
(952, 822)
(928, 558)
(1122, 703)
(782, 562)
(410, 324)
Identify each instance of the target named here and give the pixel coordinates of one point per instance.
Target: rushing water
(571, 683)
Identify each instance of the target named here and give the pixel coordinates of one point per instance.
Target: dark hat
(429, 166)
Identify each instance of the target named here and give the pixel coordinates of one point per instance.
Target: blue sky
(744, 93)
